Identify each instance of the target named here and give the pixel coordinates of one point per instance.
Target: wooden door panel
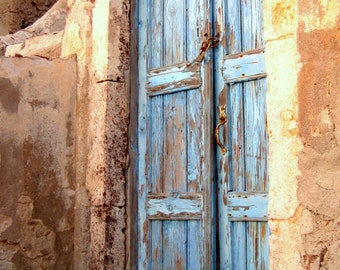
(175, 153)
(243, 180)
(176, 162)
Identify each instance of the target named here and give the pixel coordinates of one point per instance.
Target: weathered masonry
(169, 134)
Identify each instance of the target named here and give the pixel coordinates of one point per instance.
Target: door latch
(222, 119)
(210, 42)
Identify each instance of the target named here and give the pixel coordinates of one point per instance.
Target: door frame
(132, 172)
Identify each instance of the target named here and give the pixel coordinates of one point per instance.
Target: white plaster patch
(74, 42)
(324, 117)
(100, 39)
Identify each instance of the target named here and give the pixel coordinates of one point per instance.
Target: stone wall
(98, 33)
(319, 126)
(37, 183)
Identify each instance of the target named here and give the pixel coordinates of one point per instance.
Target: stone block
(46, 46)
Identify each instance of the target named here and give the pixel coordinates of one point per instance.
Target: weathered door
(184, 207)
(175, 139)
(240, 85)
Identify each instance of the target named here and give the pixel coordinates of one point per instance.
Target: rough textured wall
(4, 17)
(22, 13)
(280, 24)
(37, 180)
(52, 21)
(319, 125)
(98, 32)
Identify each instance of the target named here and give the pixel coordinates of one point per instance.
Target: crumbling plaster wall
(98, 33)
(302, 62)
(319, 126)
(37, 186)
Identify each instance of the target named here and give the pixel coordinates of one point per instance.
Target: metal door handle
(222, 119)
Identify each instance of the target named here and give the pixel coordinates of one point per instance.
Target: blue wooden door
(240, 86)
(176, 208)
(199, 208)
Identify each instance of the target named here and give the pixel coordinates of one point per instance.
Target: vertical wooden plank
(207, 153)
(252, 25)
(174, 32)
(263, 249)
(221, 97)
(239, 247)
(235, 102)
(255, 103)
(257, 245)
(251, 100)
(143, 232)
(255, 130)
(175, 134)
(156, 34)
(194, 234)
(256, 136)
(157, 153)
(200, 234)
(156, 37)
(233, 27)
(235, 110)
(175, 177)
(252, 245)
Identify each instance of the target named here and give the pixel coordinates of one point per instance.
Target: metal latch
(210, 42)
(222, 119)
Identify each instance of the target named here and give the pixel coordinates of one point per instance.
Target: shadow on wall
(53, 21)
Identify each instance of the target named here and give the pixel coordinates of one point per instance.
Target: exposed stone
(46, 46)
(103, 109)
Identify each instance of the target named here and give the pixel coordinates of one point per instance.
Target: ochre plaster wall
(37, 186)
(319, 126)
(302, 62)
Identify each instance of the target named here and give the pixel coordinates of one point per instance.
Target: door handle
(222, 119)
